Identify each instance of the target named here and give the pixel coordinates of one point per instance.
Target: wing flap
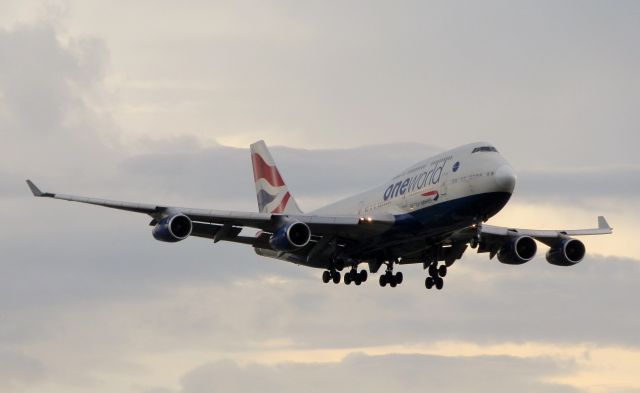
(244, 219)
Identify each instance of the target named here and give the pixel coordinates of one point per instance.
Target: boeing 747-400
(429, 213)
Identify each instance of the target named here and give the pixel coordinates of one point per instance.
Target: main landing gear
(434, 279)
(389, 278)
(353, 276)
(435, 276)
(358, 277)
(331, 275)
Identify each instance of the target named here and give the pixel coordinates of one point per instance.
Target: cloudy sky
(157, 101)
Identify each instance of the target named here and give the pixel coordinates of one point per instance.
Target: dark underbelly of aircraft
(423, 228)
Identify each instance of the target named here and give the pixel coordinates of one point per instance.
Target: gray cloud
(45, 82)
(219, 299)
(18, 371)
(539, 75)
(579, 185)
(47, 89)
(536, 302)
(360, 373)
(159, 390)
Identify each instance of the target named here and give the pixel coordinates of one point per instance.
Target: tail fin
(273, 194)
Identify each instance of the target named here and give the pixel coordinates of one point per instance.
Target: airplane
(429, 213)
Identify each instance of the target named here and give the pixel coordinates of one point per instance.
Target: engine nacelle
(173, 228)
(291, 236)
(518, 250)
(567, 252)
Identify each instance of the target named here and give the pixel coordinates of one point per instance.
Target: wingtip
(34, 189)
(603, 224)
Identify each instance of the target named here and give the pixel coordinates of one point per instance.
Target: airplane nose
(505, 178)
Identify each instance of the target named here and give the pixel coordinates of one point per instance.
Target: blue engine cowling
(173, 228)
(566, 252)
(291, 236)
(518, 250)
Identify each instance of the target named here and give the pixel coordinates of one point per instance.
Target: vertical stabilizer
(273, 194)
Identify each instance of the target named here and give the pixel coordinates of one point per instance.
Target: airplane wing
(544, 235)
(492, 239)
(602, 229)
(227, 224)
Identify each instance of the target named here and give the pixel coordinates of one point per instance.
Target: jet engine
(291, 236)
(518, 250)
(173, 228)
(566, 252)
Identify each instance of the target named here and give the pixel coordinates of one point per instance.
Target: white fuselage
(448, 176)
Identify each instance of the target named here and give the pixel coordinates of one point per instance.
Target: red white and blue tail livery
(429, 213)
(271, 190)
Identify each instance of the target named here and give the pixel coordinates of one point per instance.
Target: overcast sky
(157, 101)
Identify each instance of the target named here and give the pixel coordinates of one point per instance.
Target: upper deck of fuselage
(459, 152)
(466, 157)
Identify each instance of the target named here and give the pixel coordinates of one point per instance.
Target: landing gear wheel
(433, 270)
(335, 276)
(347, 278)
(391, 279)
(362, 276)
(326, 276)
(442, 271)
(388, 277)
(428, 282)
(439, 283)
(357, 282)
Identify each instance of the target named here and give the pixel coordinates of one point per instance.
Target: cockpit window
(484, 148)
